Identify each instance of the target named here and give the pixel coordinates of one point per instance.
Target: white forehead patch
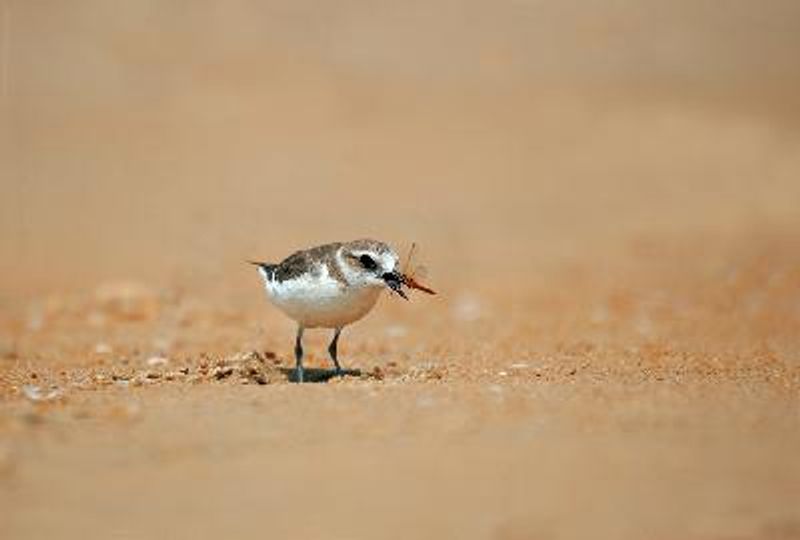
(389, 261)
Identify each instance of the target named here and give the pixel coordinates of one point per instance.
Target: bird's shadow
(318, 375)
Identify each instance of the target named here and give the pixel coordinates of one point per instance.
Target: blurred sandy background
(606, 194)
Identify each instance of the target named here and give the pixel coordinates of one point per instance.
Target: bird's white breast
(316, 299)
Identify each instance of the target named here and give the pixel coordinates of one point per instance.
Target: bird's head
(370, 263)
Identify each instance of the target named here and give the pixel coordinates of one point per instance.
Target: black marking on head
(367, 262)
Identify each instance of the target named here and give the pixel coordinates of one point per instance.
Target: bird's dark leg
(333, 351)
(298, 354)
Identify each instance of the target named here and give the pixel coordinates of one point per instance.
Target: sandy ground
(606, 198)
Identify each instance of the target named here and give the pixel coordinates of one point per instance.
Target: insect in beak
(411, 283)
(408, 274)
(395, 282)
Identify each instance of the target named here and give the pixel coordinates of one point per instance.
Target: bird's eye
(367, 262)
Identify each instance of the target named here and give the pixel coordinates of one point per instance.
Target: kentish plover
(333, 285)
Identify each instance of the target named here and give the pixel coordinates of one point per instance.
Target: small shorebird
(333, 285)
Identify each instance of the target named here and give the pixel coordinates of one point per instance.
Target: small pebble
(157, 361)
(36, 394)
(221, 372)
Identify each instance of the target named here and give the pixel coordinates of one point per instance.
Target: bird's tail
(265, 269)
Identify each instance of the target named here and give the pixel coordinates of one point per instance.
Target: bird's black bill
(395, 282)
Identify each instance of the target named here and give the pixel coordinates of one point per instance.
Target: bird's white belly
(320, 301)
